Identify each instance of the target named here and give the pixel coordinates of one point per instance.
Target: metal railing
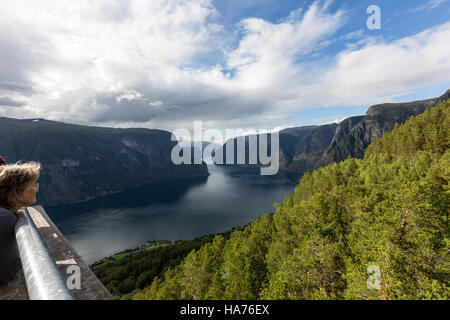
(43, 278)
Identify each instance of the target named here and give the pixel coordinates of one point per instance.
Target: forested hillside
(124, 272)
(389, 210)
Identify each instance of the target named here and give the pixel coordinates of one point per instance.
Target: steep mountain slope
(305, 148)
(372, 228)
(82, 162)
(300, 148)
(378, 120)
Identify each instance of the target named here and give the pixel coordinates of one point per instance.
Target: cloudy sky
(230, 63)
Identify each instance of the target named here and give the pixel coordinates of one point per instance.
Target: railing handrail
(43, 278)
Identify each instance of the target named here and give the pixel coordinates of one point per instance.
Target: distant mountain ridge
(83, 162)
(303, 149)
(379, 119)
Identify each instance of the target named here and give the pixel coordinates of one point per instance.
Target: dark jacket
(9, 254)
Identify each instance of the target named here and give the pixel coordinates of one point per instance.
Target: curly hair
(14, 179)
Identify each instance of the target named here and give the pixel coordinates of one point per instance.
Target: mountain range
(303, 149)
(83, 162)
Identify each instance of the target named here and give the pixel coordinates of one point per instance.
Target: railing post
(43, 278)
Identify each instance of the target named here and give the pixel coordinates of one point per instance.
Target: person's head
(18, 184)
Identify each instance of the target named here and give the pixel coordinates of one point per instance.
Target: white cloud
(86, 51)
(269, 51)
(327, 120)
(130, 95)
(430, 5)
(436, 3)
(383, 70)
(139, 63)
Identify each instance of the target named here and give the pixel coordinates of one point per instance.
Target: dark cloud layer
(8, 102)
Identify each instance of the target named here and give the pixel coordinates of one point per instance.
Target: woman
(18, 188)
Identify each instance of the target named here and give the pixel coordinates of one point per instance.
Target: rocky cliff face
(81, 162)
(300, 148)
(305, 148)
(354, 134)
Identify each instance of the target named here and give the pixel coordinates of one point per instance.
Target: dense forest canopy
(387, 212)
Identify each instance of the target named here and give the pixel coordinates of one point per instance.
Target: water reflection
(162, 192)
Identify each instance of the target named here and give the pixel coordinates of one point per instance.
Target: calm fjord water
(172, 210)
